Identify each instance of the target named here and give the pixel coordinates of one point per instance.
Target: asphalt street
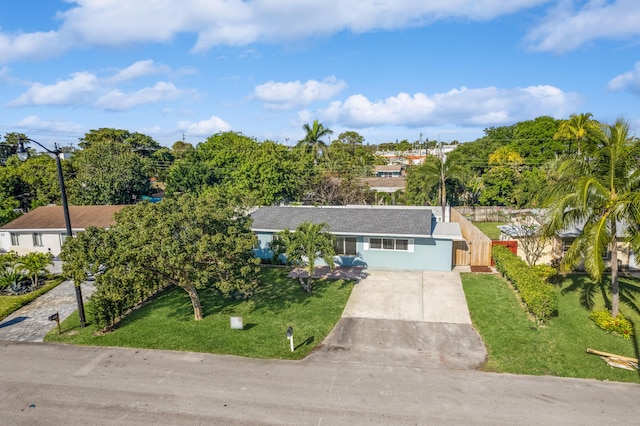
(57, 384)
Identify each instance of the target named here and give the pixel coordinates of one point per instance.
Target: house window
(15, 240)
(397, 244)
(37, 240)
(346, 246)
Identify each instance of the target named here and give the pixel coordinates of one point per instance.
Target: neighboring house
(558, 246)
(373, 236)
(44, 229)
(389, 171)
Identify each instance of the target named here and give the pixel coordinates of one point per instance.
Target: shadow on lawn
(589, 291)
(275, 293)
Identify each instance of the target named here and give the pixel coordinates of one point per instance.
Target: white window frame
(368, 245)
(37, 239)
(15, 239)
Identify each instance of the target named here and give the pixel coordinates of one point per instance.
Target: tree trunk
(615, 296)
(195, 301)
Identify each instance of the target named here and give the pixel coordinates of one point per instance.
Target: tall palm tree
(599, 192)
(306, 244)
(578, 127)
(436, 171)
(312, 141)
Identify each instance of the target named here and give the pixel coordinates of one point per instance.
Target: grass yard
(517, 345)
(10, 304)
(490, 229)
(167, 322)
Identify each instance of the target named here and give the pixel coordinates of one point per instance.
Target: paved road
(56, 384)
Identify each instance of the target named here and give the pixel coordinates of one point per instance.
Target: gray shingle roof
(354, 220)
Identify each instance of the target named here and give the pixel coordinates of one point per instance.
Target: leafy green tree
(579, 127)
(498, 186)
(109, 173)
(533, 140)
(312, 141)
(192, 242)
(33, 265)
(306, 244)
(138, 142)
(264, 173)
(351, 139)
(10, 145)
(599, 193)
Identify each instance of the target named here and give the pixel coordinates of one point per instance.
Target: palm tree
(578, 127)
(599, 192)
(34, 264)
(306, 244)
(505, 157)
(435, 171)
(312, 141)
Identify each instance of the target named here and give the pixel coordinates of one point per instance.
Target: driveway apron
(406, 318)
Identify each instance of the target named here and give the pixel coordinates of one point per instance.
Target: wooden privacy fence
(476, 249)
(484, 213)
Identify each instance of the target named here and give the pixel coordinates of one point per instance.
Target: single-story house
(44, 229)
(389, 171)
(398, 237)
(558, 246)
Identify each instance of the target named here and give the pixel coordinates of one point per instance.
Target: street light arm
(21, 149)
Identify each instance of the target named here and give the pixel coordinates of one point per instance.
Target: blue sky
(387, 69)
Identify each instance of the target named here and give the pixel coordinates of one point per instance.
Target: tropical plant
(12, 279)
(34, 264)
(435, 172)
(306, 244)
(312, 141)
(579, 127)
(599, 193)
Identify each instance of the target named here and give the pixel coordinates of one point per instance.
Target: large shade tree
(192, 242)
(599, 192)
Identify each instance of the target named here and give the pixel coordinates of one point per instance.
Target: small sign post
(55, 317)
(290, 336)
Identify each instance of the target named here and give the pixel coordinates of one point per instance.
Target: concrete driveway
(406, 318)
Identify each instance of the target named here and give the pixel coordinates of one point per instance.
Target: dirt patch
(482, 269)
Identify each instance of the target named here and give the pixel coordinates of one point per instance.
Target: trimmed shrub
(618, 326)
(539, 296)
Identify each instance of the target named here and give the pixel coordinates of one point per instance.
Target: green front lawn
(167, 322)
(490, 229)
(10, 304)
(517, 345)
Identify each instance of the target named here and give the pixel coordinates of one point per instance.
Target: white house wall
(50, 243)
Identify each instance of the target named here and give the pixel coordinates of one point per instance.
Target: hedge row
(538, 295)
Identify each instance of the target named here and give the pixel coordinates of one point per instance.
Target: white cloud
(236, 22)
(78, 89)
(488, 106)
(116, 100)
(87, 89)
(35, 122)
(566, 28)
(628, 81)
(139, 69)
(205, 127)
(279, 95)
